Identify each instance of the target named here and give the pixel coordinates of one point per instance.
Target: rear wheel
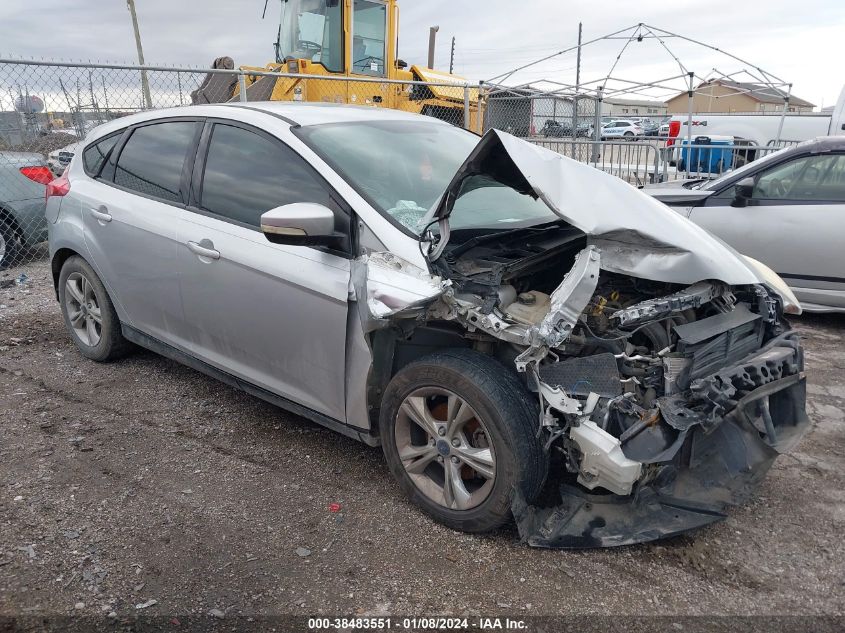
(89, 313)
(459, 433)
(629, 136)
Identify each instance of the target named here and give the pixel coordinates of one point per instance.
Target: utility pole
(145, 84)
(432, 37)
(578, 61)
(452, 58)
(577, 87)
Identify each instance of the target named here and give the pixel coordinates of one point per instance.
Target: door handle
(204, 248)
(102, 214)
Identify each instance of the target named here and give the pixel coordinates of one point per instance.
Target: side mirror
(300, 224)
(743, 190)
(401, 64)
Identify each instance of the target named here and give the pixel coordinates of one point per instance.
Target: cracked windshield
(403, 167)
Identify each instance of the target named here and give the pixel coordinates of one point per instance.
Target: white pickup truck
(762, 129)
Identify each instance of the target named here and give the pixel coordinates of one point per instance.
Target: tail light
(674, 130)
(58, 187)
(39, 173)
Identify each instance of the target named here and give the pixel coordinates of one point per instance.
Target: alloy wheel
(83, 310)
(445, 448)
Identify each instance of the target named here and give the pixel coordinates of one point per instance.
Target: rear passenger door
(131, 209)
(272, 315)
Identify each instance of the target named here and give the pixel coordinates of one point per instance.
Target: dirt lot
(145, 481)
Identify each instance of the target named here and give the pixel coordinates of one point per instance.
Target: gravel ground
(144, 482)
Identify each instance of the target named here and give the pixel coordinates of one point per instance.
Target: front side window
(95, 155)
(151, 162)
(369, 22)
(247, 174)
(809, 178)
(313, 30)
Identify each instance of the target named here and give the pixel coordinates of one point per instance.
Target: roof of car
(814, 145)
(316, 113)
(824, 143)
(296, 113)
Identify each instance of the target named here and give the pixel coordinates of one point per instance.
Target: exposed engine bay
(661, 403)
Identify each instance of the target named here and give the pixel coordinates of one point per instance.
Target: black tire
(111, 344)
(11, 245)
(509, 413)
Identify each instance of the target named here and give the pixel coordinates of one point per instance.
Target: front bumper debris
(723, 436)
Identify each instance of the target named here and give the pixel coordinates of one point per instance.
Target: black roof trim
(292, 123)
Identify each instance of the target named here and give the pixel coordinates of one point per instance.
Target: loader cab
(312, 30)
(348, 37)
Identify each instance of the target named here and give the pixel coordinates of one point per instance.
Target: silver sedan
(786, 210)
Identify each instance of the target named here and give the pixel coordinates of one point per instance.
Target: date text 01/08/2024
(416, 623)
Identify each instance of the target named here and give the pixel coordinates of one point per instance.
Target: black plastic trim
(835, 280)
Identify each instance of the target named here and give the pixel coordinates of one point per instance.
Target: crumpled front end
(666, 376)
(661, 404)
(668, 380)
(700, 451)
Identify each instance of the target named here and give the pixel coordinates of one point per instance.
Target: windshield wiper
(481, 239)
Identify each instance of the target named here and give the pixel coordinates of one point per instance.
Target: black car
(552, 128)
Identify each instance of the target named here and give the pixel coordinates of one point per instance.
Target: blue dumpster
(707, 155)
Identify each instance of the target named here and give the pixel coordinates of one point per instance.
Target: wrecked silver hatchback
(525, 336)
(666, 379)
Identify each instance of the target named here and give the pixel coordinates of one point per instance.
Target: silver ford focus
(525, 336)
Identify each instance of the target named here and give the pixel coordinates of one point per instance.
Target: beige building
(619, 107)
(721, 95)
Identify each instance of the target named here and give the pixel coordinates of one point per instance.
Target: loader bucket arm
(216, 87)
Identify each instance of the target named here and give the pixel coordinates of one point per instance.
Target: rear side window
(151, 161)
(247, 174)
(94, 157)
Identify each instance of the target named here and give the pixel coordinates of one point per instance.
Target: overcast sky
(802, 42)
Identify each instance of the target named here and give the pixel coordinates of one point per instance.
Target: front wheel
(459, 432)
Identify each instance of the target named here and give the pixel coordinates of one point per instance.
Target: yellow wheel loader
(345, 51)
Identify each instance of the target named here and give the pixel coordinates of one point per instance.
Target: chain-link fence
(46, 108)
(536, 114)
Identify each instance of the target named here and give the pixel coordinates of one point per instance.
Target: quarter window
(95, 156)
(247, 174)
(151, 162)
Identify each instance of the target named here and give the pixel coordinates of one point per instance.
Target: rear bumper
(743, 417)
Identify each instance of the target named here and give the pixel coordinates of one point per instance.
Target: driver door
(794, 223)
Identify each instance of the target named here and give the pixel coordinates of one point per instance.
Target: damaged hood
(637, 235)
